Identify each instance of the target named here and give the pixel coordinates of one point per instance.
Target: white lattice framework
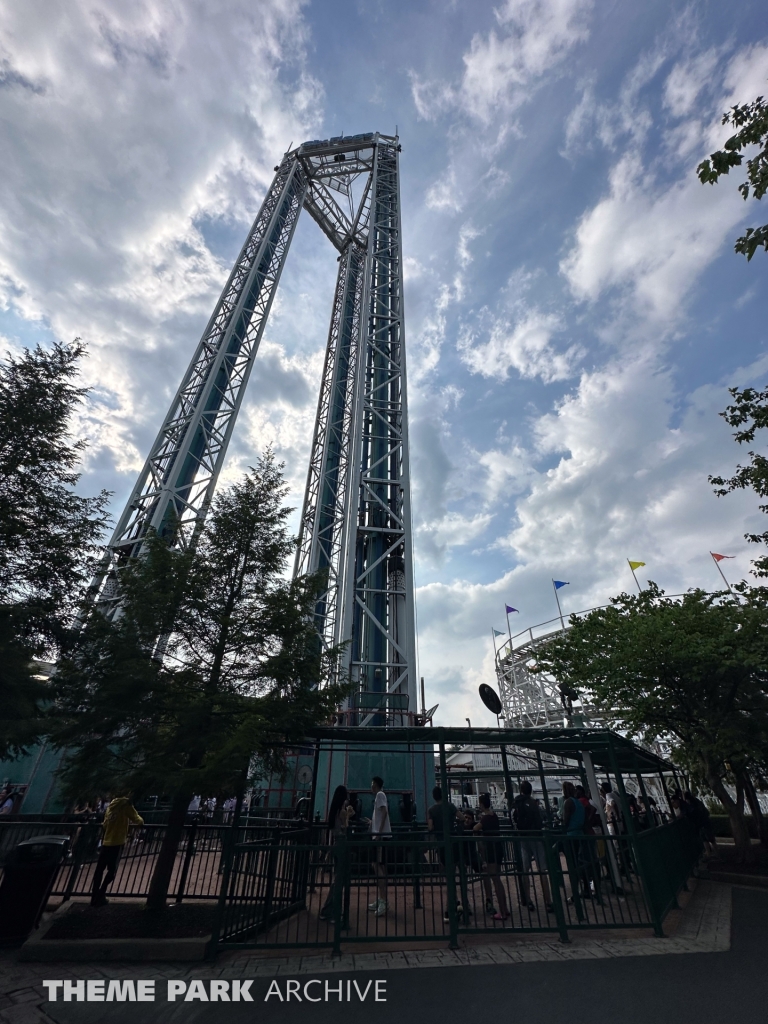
(532, 698)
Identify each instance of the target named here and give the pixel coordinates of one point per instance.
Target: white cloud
(466, 235)
(651, 241)
(535, 35)
(453, 530)
(630, 481)
(524, 346)
(686, 80)
(510, 472)
(127, 130)
(503, 67)
(444, 194)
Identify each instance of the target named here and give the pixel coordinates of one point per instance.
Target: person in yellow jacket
(119, 816)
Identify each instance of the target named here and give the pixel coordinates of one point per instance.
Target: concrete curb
(39, 949)
(735, 878)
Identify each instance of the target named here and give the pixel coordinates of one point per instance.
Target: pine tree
(48, 533)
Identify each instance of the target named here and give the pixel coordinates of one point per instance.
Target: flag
(635, 565)
(560, 583)
(719, 558)
(498, 632)
(511, 609)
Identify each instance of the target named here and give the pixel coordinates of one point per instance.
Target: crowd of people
(575, 816)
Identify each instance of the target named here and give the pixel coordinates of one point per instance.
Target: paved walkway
(704, 926)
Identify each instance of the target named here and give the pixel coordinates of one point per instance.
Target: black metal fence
(292, 889)
(287, 884)
(197, 873)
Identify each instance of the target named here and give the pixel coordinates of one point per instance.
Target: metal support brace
(450, 880)
(555, 872)
(650, 902)
(545, 795)
(594, 789)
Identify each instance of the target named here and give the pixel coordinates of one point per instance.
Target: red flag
(719, 558)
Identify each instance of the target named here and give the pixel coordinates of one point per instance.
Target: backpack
(526, 815)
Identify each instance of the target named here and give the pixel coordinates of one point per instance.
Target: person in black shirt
(526, 816)
(494, 857)
(699, 814)
(436, 828)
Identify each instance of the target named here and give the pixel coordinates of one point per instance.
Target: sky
(575, 313)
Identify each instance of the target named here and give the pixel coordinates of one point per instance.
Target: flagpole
(725, 581)
(560, 610)
(635, 577)
(509, 628)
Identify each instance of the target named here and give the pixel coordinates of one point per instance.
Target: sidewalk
(703, 925)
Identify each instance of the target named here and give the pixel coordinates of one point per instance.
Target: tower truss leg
(175, 487)
(356, 520)
(378, 608)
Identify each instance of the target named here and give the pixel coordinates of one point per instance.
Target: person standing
(493, 848)
(120, 815)
(699, 814)
(339, 816)
(381, 831)
(7, 801)
(612, 811)
(526, 816)
(436, 828)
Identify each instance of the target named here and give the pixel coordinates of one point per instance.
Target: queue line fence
(286, 885)
(290, 890)
(197, 872)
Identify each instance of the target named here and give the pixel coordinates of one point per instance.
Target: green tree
(48, 532)
(692, 672)
(751, 119)
(749, 413)
(211, 666)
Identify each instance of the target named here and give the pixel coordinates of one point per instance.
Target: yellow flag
(635, 565)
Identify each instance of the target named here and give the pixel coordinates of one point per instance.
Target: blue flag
(560, 583)
(498, 632)
(511, 609)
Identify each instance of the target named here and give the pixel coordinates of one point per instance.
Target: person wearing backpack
(590, 853)
(526, 817)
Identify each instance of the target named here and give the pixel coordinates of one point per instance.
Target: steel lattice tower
(355, 523)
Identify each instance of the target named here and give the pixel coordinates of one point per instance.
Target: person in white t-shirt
(381, 830)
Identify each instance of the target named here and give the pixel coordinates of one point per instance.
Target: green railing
(297, 889)
(668, 855)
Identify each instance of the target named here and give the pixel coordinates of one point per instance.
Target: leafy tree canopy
(748, 414)
(690, 671)
(751, 120)
(211, 666)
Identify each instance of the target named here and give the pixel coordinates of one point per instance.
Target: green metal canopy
(608, 749)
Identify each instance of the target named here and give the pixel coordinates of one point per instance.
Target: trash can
(28, 878)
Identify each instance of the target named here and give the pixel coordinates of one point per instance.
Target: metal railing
(545, 630)
(284, 884)
(293, 890)
(196, 874)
